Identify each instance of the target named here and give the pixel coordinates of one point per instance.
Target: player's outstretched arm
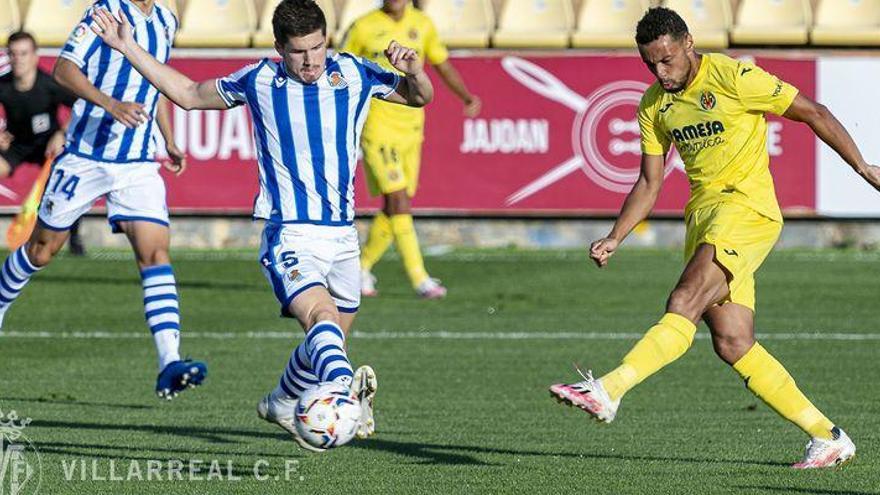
(415, 88)
(831, 131)
(186, 93)
(70, 77)
(636, 208)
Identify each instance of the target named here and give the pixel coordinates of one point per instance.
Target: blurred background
(548, 161)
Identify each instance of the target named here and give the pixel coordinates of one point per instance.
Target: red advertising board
(557, 135)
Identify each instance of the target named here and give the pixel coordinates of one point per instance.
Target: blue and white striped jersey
(307, 135)
(92, 133)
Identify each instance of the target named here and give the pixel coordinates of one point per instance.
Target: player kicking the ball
(110, 153)
(308, 111)
(712, 108)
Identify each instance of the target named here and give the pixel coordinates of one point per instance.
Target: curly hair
(294, 18)
(660, 21)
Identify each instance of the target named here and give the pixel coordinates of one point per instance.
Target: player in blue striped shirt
(110, 153)
(308, 111)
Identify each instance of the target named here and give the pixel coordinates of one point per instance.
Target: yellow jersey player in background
(712, 107)
(393, 135)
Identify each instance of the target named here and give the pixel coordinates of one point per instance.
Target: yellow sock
(769, 380)
(408, 247)
(665, 342)
(379, 240)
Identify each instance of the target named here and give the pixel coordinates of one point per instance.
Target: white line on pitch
(437, 335)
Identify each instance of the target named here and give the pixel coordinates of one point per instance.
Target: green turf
(454, 416)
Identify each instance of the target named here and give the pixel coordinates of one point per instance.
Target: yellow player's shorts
(742, 238)
(392, 165)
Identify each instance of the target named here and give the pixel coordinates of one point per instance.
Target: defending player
(308, 111)
(712, 108)
(393, 135)
(110, 153)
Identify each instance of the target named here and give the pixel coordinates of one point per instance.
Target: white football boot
(823, 453)
(368, 284)
(282, 412)
(364, 388)
(588, 395)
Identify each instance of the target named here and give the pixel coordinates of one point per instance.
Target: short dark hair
(294, 18)
(21, 35)
(659, 21)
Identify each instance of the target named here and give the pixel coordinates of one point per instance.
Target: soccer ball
(327, 416)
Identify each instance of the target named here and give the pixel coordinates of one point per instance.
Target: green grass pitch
(455, 415)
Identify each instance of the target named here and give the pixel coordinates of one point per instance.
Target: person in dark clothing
(30, 98)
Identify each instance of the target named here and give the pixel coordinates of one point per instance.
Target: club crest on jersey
(337, 80)
(707, 100)
(293, 275)
(413, 34)
(79, 32)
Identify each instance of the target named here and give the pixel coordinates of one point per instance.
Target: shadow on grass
(134, 282)
(213, 435)
(816, 491)
(86, 450)
(73, 402)
(465, 455)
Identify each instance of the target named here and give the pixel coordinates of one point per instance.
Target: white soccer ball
(327, 416)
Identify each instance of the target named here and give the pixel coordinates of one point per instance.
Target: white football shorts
(134, 191)
(296, 257)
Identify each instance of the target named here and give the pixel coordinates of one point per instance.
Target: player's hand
(404, 59)
(872, 175)
(127, 113)
(55, 145)
(472, 107)
(602, 250)
(176, 162)
(114, 31)
(5, 140)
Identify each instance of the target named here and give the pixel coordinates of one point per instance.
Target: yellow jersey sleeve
(761, 91)
(435, 51)
(654, 142)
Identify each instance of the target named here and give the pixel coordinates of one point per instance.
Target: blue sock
(162, 311)
(325, 343)
(16, 272)
(298, 376)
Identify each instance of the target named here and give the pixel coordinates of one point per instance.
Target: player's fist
(127, 113)
(404, 59)
(602, 250)
(114, 31)
(473, 106)
(872, 175)
(176, 162)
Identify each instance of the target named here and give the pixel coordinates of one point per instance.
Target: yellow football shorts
(742, 238)
(392, 166)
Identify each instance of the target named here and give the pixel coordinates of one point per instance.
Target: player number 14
(68, 187)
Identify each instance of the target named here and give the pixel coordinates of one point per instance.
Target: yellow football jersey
(718, 127)
(368, 37)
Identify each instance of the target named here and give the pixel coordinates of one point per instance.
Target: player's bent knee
(731, 348)
(153, 258)
(323, 313)
(686, 301)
